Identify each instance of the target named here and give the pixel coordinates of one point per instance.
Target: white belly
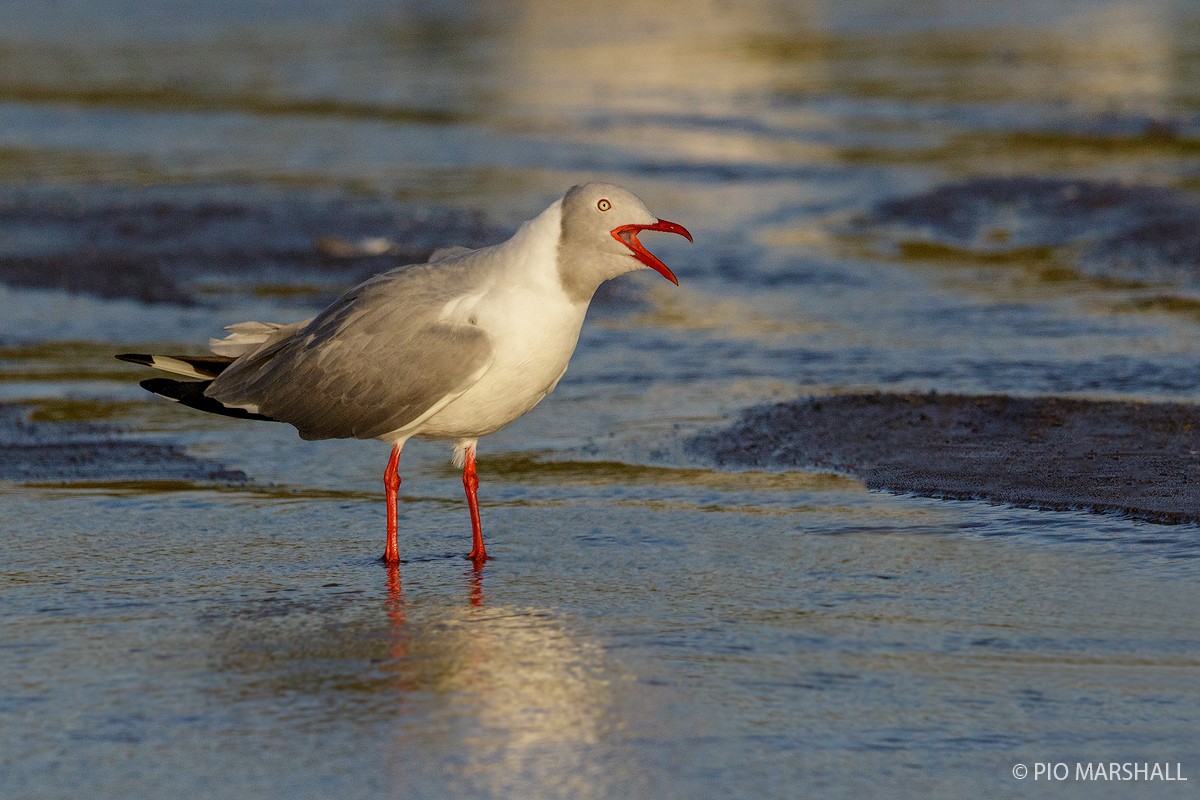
(532, 347)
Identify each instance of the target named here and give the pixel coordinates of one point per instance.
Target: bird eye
(604, 205)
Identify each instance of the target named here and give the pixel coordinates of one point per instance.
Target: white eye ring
(604, 205)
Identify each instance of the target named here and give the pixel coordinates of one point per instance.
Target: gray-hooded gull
(453, 349)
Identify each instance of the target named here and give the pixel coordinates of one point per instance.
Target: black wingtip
(145, 359)
(191, 394)
(165, 387)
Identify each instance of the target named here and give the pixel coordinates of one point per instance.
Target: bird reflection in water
(394, 605)
(475, 596)
(397, 616)
(511, 697)
(395, 592)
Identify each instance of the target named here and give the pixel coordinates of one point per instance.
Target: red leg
(478, 553)
(391, 482)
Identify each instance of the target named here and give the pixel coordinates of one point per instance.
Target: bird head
(599, 238)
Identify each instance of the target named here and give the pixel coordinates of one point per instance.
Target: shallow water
(945, 197)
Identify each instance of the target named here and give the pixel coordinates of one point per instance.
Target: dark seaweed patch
(1137, 459)
(84, 451)
(1107, 229)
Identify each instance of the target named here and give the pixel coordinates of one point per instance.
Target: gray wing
(373, 362)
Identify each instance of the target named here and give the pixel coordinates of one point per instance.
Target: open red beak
(627, 235)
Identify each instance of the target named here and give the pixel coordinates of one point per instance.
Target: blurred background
(923, 188)
(929, 194)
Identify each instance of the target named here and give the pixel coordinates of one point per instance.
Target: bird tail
(190, 393)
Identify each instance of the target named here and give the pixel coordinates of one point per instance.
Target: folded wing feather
(376, 360)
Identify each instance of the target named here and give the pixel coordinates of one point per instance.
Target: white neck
(534, 249)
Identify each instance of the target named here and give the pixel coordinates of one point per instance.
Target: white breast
(533, 327)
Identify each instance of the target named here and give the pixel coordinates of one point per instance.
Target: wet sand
(1141, 460)
(1137, 459)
